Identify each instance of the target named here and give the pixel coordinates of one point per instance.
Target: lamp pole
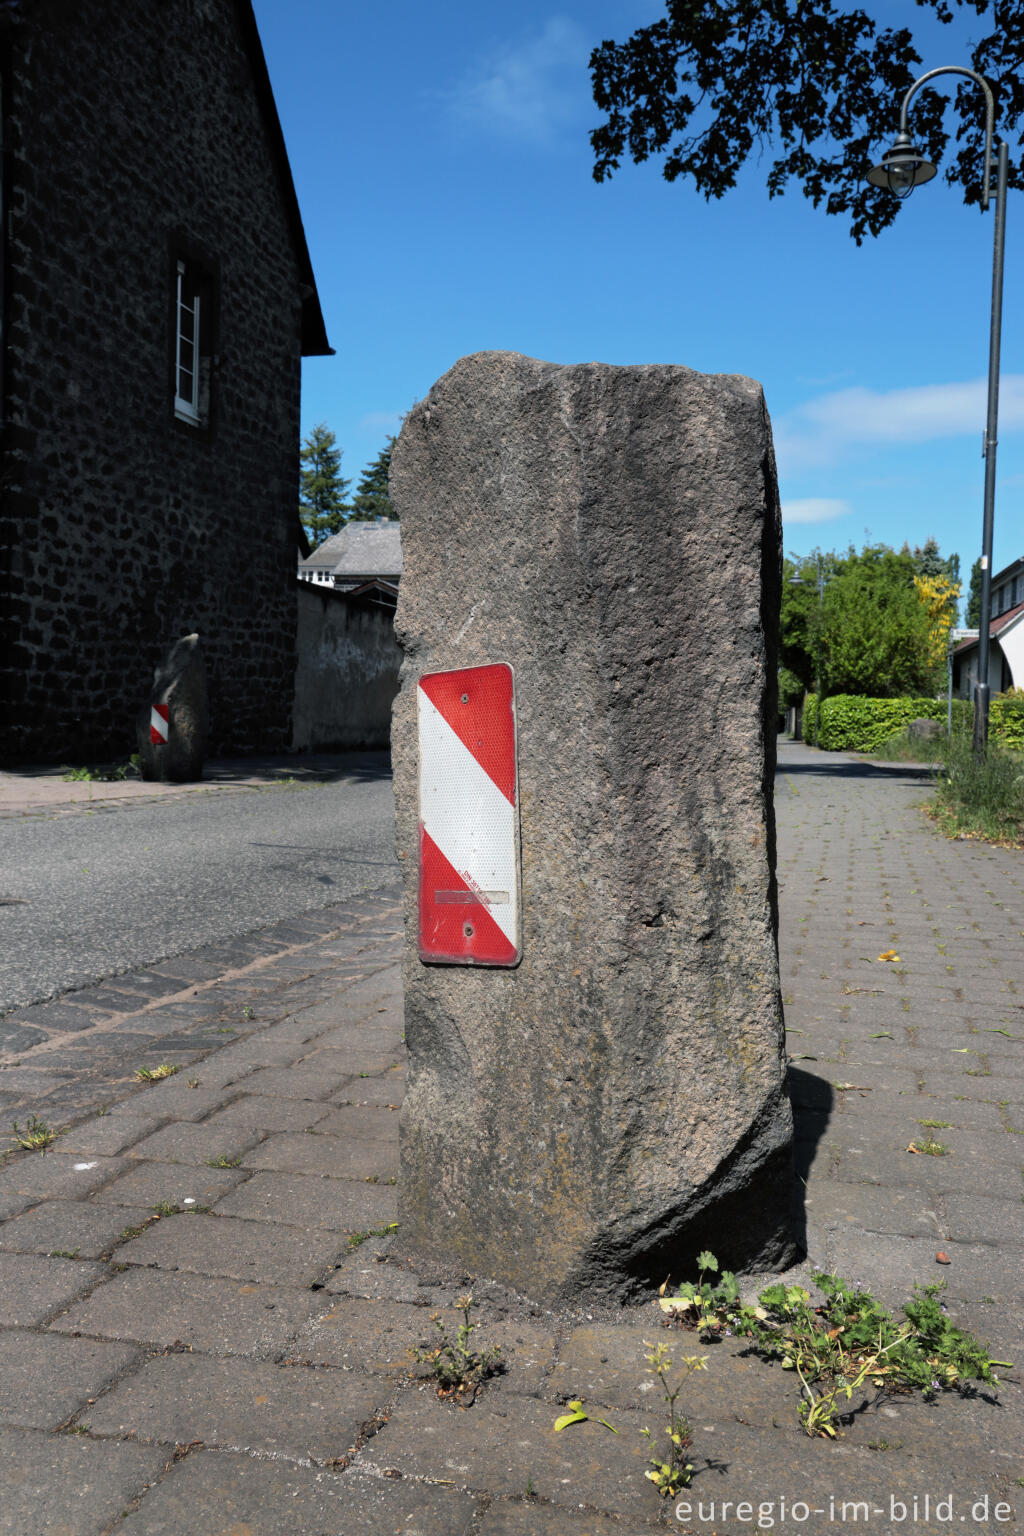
(902, 169)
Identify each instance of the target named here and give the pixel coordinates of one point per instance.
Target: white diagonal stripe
(158, 723)
(468, 817)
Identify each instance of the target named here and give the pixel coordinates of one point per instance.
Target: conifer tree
(322, 487)
(371, 499)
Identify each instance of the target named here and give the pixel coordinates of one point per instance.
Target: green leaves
(706, 87)
(322, 488)
(576, 1415)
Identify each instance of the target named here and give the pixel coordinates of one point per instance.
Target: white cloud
(525, 90)
(814, 509)
(824, 430)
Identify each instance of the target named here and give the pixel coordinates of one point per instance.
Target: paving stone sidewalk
(204, 1329)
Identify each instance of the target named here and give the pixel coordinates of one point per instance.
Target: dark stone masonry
(158, 299)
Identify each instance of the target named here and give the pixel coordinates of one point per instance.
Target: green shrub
(810, 717)
(1006, 719)
(847, 722)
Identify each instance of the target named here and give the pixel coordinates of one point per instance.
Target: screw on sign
(158, 724)
(469, 904)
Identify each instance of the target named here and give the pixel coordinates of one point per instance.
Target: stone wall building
(158, 297)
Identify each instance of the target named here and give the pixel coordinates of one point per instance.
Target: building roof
(314, 332)
(995, 628)
(326, 554)
(366, 550)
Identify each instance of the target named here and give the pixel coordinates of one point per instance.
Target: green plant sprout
(675, 1471)
(36, 1136)
(154, 1074)
(576, 1415)
(458, 1369)
(843, 1345)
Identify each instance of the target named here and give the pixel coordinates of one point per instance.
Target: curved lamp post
(902, 169)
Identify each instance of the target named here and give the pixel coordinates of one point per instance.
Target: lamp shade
(902, 169)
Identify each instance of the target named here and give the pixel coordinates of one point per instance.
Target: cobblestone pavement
(198, 1335)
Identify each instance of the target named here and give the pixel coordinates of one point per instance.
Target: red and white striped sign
(159, 715)
(469, 818)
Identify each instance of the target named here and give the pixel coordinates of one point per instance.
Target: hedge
(1006, 721)
(850, 723)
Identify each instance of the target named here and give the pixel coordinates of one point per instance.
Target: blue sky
(443, 168)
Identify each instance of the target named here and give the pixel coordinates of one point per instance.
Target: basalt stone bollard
(582, 1125)
(179, 684)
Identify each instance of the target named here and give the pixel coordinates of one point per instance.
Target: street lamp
(902, 169)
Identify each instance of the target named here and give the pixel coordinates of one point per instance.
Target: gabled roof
(995, 628)
(366, 550)
(314, 333)
(326, 554)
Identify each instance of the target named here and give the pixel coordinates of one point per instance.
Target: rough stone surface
(179, 682)
(69, 1486)
(585, 1123)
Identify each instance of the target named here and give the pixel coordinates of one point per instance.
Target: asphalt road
(104, 892)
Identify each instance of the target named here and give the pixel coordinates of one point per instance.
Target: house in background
(158, 300)
(1006, 638)
(349, 658)
(364, 557)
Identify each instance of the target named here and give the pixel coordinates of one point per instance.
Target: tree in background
(937, 582)
(709, 85)
(940, 599)
(928, 561)
(974, 596)
(371, 498)
(322, 505)
(872, 637)
(803, 580)
(864, 623)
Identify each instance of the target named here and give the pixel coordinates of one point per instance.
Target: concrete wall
(135, 135)
(347, 672)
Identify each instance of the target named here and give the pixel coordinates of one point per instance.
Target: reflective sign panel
(469, 818)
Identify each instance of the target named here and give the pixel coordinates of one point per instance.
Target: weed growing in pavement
(36, 1136)
(355, 1238)
(165, 1208)
(104, 773)
(155, 1074)
(706, 1306)
(848, 1343)
(248, 1012)
(223, 1161)
(673, 1473)
(928, 1146)
(63, 1253)
(456, 1366)
(981, 799)
(936, 1125)
(576, 1415)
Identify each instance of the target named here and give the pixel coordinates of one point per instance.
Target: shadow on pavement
(812, 1098)
(848, 768)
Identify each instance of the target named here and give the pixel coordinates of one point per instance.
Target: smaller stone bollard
(177, 710)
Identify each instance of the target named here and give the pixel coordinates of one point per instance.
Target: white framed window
(188, 307)
(193, 328)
